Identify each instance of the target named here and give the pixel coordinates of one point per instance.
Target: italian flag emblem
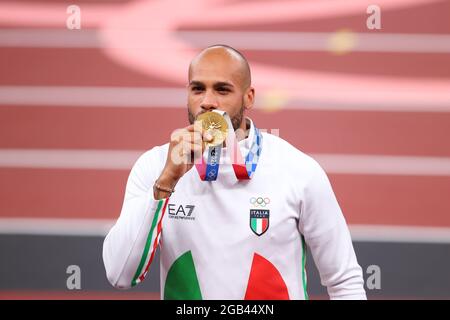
(259, 221)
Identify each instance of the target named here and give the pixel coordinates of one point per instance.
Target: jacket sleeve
(130, 245)
(327, 235)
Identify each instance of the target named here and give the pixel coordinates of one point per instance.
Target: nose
(209, 102)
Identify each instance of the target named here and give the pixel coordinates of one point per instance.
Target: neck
(243, 131)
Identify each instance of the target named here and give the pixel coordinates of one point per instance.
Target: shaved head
(235, 60)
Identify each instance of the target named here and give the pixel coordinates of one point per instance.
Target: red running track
(365, 199)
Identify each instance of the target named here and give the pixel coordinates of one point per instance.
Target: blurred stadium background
(77, 107)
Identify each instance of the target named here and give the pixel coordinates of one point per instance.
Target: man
(243, 233)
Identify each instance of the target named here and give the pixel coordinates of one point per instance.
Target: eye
(197, 89)
(223, 90)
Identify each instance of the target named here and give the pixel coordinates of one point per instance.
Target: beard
(236, 119)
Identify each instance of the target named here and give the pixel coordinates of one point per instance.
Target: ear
(249, 98)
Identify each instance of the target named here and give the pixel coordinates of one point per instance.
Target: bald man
(240, 232)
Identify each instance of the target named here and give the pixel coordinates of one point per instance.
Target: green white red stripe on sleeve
(151, 243)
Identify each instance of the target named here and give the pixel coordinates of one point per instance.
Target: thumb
(207, 136)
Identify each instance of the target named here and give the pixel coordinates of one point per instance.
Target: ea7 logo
(180, 211)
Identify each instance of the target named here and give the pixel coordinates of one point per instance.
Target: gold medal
(216, 125)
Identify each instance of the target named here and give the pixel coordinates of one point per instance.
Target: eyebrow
(216, 84)
(196, 83)
(222, 84)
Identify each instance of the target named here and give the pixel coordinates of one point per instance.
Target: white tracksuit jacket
(210, 248)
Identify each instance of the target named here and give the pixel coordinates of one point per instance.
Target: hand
(185, 147)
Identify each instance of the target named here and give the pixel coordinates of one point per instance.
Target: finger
(197, 137)
(197, 148)
(187, 136)
(192, 152)
(191, 127)
(177, 135)
(207, 136)
(192, 137)
(197, 127)
(177, 154)
(187, 150)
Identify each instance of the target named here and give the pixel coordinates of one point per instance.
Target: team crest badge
(259, 215)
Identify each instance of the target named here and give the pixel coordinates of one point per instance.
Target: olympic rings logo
(259, 202)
